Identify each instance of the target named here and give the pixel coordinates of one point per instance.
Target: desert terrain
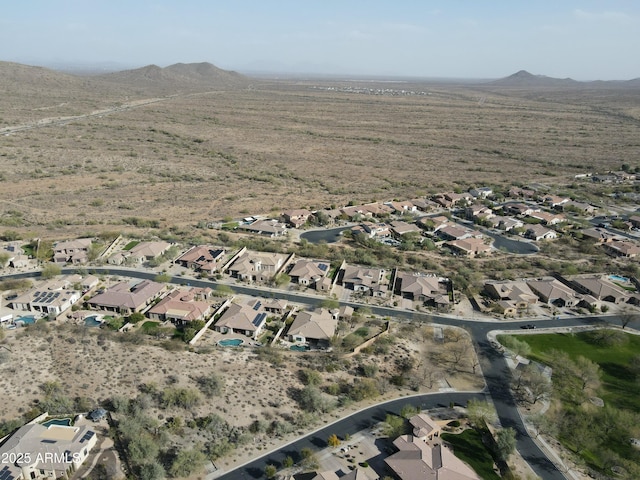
(98, 365)
(84, 154)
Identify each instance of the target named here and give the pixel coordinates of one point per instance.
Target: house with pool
(40, 451)
(49, 298)
(247, 318)
(126, 298)
(182, 307)
(315, 328)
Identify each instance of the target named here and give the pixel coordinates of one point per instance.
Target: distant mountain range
(526, 79)
(178, 77)
(182, 77)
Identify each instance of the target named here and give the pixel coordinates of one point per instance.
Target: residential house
(518, 208)
(126, 298)
(451, 199)
(422, 455)
(511, 295)
(505, 223)
(18, 261)
(140, 253)
(623, 248)
(598, 235)
(204, 258)
(599, 287)
(481, 192)
(72, 251)
(53, 451)
(456, 232)
(257, 266)
(316, 328)
(267, 228)
(310, 273)
(50, 298)
(553, 201)
(182, 307)
(296, 218)
(363, 279)
(475, 211)
(426, 289)
(358, 473)
(470, 247)
(246, 319)
(400, 229)
(547, 218)
(372, 230)
(516, 192)
(553, 292)
(581, 207)
(275, 306)
(423, 204)
(402, 207)
(433, 224)
(538, 232)
(377, 209)
(635, 221)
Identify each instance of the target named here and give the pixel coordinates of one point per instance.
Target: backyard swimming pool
(65, 422)
(92, 321)
(618, 278)
(299, 348)
(26, 320)
(231, 342)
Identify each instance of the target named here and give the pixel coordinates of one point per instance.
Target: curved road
(496, 373)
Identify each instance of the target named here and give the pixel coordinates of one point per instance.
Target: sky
(584, 40)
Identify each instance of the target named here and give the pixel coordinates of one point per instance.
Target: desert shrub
(210, 385)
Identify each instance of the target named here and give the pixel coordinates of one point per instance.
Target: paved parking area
(365, 446)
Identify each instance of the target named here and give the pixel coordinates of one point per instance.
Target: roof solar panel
(257, 305)
(323, 266)
(259, 318)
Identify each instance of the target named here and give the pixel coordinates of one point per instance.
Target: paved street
(497, 376)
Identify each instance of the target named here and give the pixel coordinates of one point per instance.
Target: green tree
(115, 323)
(50, 270)
(287, 462)
(136, 317)
(310, 399)
(223, 290)
(394, 426)
(310, 377)
(4, 259)
(270, 471)
(505, 443)
(481, 413)
(333, 440)
(162, 278)
(281, 280)
(142, 449)
(187, 462)
(151, 471)
(330, 304)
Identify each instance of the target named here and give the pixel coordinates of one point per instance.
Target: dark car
(528, 326)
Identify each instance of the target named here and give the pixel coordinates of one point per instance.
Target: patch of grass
(619, 387)
(130, 245)
(468, 447)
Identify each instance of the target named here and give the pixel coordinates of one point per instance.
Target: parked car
(528, 326)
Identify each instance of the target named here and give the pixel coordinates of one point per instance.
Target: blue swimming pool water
(66, 422)
(231, 342)
(27, 319)
(299, 348)
(92, 321)
(618, 278)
